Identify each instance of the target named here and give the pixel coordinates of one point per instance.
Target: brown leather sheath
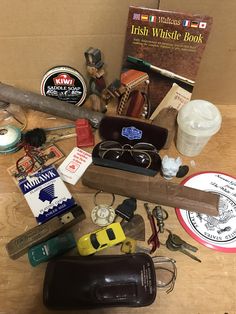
(167, 119)
(76, 282)
(136, 104)
(151, 189)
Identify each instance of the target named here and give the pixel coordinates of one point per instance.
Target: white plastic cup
(198, 121)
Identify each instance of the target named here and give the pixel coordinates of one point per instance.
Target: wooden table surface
(208, 287)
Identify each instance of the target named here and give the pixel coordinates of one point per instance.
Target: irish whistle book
(166, 45)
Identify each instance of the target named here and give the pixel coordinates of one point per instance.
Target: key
(52, 138)
(130, 246)
(175, 239)
(189, 254)
(66, 131)
(178, 247)
(60, 127)
(172, 247)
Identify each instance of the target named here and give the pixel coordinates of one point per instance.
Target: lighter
(84, 133)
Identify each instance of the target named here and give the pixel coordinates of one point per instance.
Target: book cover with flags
(166, 45)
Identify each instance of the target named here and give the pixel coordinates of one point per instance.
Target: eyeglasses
(166, 272)
(140, 152)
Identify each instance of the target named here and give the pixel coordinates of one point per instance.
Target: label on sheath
(131, 133)
(46, 194)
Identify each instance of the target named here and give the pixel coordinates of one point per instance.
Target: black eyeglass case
(131, 132)
(75, 282)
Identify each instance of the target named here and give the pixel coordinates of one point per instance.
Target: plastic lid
(199, 118)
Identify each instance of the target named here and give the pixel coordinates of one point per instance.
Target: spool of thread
(10, 137)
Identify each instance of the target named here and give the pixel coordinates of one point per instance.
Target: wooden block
(151, 189)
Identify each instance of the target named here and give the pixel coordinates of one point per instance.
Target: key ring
(103, 214)
(98, 192)
(161, 215)
(169, 232)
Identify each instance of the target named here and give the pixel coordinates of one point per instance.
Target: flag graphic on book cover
(136, 16)
(202, 25)
(194, 24)
(175, 43)
(186, 23)
(144, 17)
(152, 18)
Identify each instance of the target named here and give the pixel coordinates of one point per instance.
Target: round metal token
(215, 232)
(103, 215)
(64, 83)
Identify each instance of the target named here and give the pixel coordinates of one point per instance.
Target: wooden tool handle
(20, 245)
(30, 100)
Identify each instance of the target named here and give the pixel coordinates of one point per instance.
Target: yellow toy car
(100, 239)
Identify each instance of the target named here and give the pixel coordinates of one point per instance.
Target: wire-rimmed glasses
(141, 152)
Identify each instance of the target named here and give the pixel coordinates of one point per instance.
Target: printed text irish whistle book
(168, 46)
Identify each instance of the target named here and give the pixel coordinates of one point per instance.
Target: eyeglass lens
(140, 152)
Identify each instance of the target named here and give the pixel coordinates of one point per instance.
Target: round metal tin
(215, 232)
(64, 83)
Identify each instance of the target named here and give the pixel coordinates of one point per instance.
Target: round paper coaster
(215, 232)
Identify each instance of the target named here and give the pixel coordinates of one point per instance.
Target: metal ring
(165, 229)
(98, 192)
(163, 211)
(166, 214)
